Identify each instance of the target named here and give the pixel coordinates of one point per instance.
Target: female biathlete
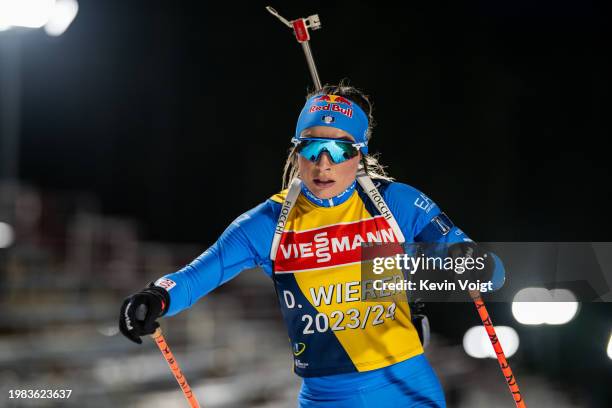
(351, 352)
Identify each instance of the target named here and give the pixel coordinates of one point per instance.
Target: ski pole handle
(499, 352)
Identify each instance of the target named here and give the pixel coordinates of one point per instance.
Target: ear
(362, 162)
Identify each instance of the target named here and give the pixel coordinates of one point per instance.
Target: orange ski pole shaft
(499, 352)
(174, 367)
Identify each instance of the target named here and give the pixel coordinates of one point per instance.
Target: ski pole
(174, 367)
(499, 352)
(159, 339)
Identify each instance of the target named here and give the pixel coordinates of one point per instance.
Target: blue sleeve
(243, 245)
(415, 212)
(421, 220)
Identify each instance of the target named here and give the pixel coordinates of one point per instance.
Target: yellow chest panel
(320, 250)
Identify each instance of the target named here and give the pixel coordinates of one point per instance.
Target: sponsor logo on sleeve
(165, 283)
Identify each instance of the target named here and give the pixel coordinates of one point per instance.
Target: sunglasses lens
(338, 150)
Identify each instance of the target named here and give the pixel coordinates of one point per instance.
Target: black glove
(472, 250)
(140, 311)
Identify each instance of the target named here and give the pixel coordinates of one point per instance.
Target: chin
(324, 195)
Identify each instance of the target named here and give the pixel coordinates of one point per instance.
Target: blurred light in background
(526, 307)
(25, 13)
(55, 15)
(6, 235)
(534, 306)
(477, 344)
(563, 308)
(62, 15)
(610, 347)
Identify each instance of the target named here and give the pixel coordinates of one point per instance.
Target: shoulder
(279, 197)
(402, 195)
(410, 206)
(253, 229)
(393, 188)
(262, 215)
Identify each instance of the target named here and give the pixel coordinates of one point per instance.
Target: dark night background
(180, 114)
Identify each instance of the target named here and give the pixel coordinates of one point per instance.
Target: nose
(324, 162)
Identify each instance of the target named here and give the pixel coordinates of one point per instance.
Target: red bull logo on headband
(332, 107)
(333, 99)
(331, 104)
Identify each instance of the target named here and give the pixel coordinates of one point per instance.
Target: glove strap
(163, 296)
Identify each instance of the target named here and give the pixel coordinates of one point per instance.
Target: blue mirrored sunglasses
(339, 150)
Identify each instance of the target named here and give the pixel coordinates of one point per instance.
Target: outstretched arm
(244, 244)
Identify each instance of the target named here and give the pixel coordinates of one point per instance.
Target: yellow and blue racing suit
(351, 353)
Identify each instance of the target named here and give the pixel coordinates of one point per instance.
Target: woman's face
(325, 178)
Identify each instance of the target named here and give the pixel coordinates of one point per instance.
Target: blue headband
(334, 111)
